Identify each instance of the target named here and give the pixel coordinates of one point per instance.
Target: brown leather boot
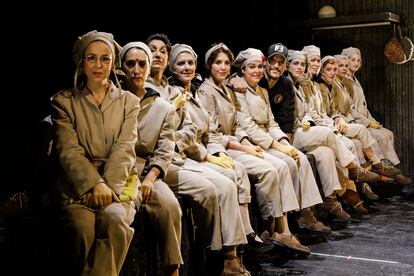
(360, 174)
(351, 198)
(367, 165)
(334, 208)
(309, 221)
(365, 189)
(402, 179)
(233, 266)
(384, 169)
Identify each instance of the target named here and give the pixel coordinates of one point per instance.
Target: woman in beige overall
(308, 137)
(334, 92)
(256, 119)
(95, 127)
(154, 150)
(189, 178)
(317, 110)
(384, 147)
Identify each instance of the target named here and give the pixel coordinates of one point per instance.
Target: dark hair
(163, 38)
(213, 56)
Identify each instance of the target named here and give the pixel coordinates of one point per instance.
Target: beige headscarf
(311, 50)
(177, 49)
(84, 40)
(139, 45)
(339, 57)
(348, 52)
(214, 48)
(294, 54)
(325, 58)
(247, 56)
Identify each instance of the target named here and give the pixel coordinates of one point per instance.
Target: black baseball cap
(277, 48)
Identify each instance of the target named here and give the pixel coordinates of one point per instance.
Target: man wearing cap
(280, 87)
(284, 108)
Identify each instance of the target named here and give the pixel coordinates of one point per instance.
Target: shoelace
(388, 167)
(361, 171)
(338, 206)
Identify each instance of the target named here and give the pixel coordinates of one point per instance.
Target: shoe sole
(298, 250)
(260, 250)
(304, 226)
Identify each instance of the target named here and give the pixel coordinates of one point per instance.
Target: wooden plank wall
(389, 88)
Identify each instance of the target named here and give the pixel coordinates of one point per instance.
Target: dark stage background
(37, 44)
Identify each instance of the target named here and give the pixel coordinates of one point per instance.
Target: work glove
(375, 125)
(130, 190)
(305, 126)
(254, 150)
(222, 161)
(179, 101)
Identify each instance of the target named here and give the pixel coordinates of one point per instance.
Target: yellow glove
(288, 149)
(342, 126)
(223, 161)
(228, 158)
(179, 101)
(375, 125)
(130, 190)
(254, 150)
(305, 126)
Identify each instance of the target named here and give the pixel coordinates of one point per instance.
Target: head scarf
(139, 45)
(293, 54)
(177, 49)
(350, 51)
(339, 57)
(325, 58)
(214, 48)
(311, 50)
(84, 40)
(247, 56)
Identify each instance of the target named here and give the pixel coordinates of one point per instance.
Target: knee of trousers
(324, 155)
(228, 188)
(208, 195)
(169, 207)
(230, 173)
(269, 176)
(83, 230)
(291, 164)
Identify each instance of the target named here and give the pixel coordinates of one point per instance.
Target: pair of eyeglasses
(94, 59)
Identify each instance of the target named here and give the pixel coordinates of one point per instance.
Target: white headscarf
(247, 56)
(139, 45)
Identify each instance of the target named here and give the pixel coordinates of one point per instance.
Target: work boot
(367, 165)
(334, 208)
(365, 189)
(233, 266)
(308, 220)
(286, 240)
(384, 169)
(360, 174)
(256, 246)
(351, 198)
(402, 179)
